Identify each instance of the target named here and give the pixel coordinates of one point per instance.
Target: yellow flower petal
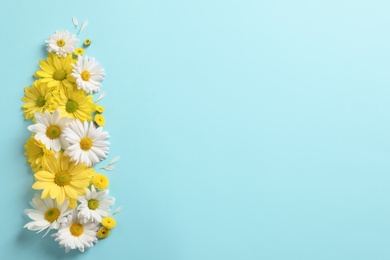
(60, 196)
(44, 176)
(46, 67)
(68, 180)
(42, 74)
(54, 192)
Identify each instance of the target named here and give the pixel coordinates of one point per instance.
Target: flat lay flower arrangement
(67, 140)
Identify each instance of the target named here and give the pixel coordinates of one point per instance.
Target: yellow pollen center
(85, 75)
(86, 143)
(62, 178)
(52, 214)
(76, 229)
(61, 43)
(71, 106)
(59, 75)
(103, 232)
(93, 204)
(53, 132)
(40, 101)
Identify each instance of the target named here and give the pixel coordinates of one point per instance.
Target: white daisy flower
(74, 234)
(88, 74)
(47, 214)
(49, 130)
(94, 205)
(62, 43)
(87, 143)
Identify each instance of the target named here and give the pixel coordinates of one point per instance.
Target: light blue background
(248, 129)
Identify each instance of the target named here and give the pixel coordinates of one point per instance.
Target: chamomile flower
(94, 205)
(62, 43)
(75, 234)
(87, 143)
(49, 130)
(37, 99)
(47, 214)
(61, 178)
(88, 74)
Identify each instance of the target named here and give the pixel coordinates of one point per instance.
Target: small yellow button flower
(78, 51)
(109, 222)
(100, 181)
(99, 109)
(99, 120)
(103, 232)
(87, 42)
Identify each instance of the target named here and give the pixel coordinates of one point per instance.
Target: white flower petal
(75, 22)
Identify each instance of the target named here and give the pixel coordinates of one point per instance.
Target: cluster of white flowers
(77, 228)
(83, 142)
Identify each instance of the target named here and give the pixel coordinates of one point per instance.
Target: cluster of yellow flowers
(56, 88)
(67, 141)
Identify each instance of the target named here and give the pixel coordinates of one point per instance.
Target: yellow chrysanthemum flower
(103, 232)
(109, 222)
(100, 181)
(61, 178)
(37, 99)
(87, 42)
(56, 71)
(73, 103)
(99, 109)
(99, 120)
(36, 153)
(78, 51)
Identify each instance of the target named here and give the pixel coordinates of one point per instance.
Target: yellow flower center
(86, 143)
(40, 101)
(103, 232)
(71, 106)
(53, 132)
(59, 75)
(76, 229)
(79, 51)
(100, 181)
(108, 222)
(99, 109)
(93, 204)
(87, 42)
(62, 178)
(52, 214)
(99, 119)
(61, 43)
(85, 75)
